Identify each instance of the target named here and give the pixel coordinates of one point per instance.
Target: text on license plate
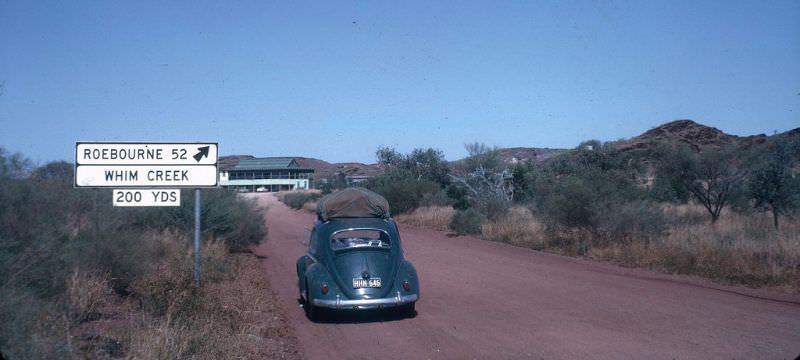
(367, 283)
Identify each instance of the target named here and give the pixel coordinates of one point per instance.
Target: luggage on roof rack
(354, 202)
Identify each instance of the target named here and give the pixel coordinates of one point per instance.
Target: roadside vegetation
(299, 199)
(81, 279)
(723, 212)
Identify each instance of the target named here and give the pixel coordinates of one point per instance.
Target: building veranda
(265, 175)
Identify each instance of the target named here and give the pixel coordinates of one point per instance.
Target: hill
(522, 154)
(322, 168)
(696, 135)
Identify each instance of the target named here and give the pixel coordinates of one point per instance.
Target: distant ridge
(523, 154)
(699, 136)
(322, 169)
(229, 161)
(696, 135)
(690, 132)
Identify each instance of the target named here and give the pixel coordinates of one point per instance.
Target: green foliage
(628, 221)
(458, 196)
(412, 180)
(574, 189)
(238, 222)
(49, 230)
(421, 164)
(14, 165)
(388, 156)
(571, 204)
(296, 200)
(771, 185)
(403, 191)
(485, 186)
(712, 177)
(467, 221)
(337, 181)
(482, 156)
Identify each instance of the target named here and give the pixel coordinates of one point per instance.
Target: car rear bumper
(340, 303)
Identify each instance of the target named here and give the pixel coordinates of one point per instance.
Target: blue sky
(335, 80)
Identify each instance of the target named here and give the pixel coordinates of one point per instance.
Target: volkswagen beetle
(354, 258)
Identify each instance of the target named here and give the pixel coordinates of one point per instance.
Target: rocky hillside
(522, 154)
(229, 161)
(322, 169)
(696, 135)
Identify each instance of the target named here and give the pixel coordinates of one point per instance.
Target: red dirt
(489, 300)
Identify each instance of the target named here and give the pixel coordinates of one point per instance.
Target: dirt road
(487, 300)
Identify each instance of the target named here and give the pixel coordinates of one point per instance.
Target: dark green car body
(356, 263)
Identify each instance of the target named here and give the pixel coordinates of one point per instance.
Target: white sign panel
(146, 176)
(147, 197)
(146, 165)
(146, 154)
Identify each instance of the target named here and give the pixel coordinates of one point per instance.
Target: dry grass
(519, 227)
(687, 213)
(85, 294)
(298, 199)
(431, 217)
(235, 318)
(234, 314)
(740, 249)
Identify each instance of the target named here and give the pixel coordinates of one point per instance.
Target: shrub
(518, 227)
(31, 326)
(239, 222)
(233, 317)
(438, 198)
(467, 222)
(571, 204)
(628, 222)
(296, 200)
(411, 180)
(85, 293)
(432, 217)
(403, 192)
(60, 254)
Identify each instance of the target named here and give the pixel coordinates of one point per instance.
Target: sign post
(197, 237)
(150, 174)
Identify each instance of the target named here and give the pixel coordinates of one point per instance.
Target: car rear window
(360, 238)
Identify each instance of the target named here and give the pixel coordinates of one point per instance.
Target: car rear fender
(407, 272)
(315, 276)
(301, 272)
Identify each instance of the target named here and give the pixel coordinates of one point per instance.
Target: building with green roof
(266, 174)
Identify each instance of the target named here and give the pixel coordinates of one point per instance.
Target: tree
(482, 156)
(487, 186)
(388, 156)
(429, 164)
(712, 176)
(771, 186)
(13, 165)
(412, 180)
(423, 164)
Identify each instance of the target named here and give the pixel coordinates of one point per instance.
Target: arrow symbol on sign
(203, 153)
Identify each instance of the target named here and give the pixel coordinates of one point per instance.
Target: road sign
(148, 197)
(146, 165)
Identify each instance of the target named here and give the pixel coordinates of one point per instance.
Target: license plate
(366, 283)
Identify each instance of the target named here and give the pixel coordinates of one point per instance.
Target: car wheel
(408, 309)
(312, 312)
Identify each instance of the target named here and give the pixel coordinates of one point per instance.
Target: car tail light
(406, 285)
(324, 289)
